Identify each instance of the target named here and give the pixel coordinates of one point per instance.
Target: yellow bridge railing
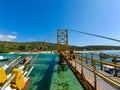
(79, 62)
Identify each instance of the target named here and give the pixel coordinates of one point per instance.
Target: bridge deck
(101, 84)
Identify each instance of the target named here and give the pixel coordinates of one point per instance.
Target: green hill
(6, 47)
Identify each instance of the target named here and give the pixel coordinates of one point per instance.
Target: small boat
(117, 60)
(104, 55)
(4, 58)
(110, 69)
(27, 81)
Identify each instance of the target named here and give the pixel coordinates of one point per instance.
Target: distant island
(6, 47)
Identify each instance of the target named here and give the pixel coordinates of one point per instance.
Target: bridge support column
(62, 40)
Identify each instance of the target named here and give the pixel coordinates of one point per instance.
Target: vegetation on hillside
(37, 46)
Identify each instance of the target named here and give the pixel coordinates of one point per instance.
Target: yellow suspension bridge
(88, 74)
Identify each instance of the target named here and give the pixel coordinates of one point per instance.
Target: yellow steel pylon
(62, 40)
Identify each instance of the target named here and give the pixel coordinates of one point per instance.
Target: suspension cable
(49, 37)
(46, 39)
(109, 38)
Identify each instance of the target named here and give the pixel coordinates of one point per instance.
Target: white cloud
(7, 37)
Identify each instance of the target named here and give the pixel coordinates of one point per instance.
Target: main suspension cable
(109, 38)
(46, 39)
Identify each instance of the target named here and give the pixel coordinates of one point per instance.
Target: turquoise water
(48, 74)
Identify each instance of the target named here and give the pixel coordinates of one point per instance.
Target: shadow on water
(44, 83)
(62, 66)
(66, 79)
(62, 82)
(49, 74)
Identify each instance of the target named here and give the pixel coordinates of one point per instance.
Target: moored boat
(104, 55)
(110, 69)
(4, 58)
(27, 80)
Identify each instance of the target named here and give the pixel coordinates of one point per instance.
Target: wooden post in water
(101, 66)
(86, 59)
(115, 62)
(95, 77)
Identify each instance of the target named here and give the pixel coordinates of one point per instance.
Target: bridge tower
(62, 40)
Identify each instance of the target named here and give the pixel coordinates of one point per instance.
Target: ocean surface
(48, 74)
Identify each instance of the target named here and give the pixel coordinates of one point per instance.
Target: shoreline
(55, 52)
(97, 51)
(31, 52)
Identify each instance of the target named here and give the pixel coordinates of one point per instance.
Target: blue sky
(34, 20)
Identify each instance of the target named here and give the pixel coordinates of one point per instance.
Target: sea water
(48, 74)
